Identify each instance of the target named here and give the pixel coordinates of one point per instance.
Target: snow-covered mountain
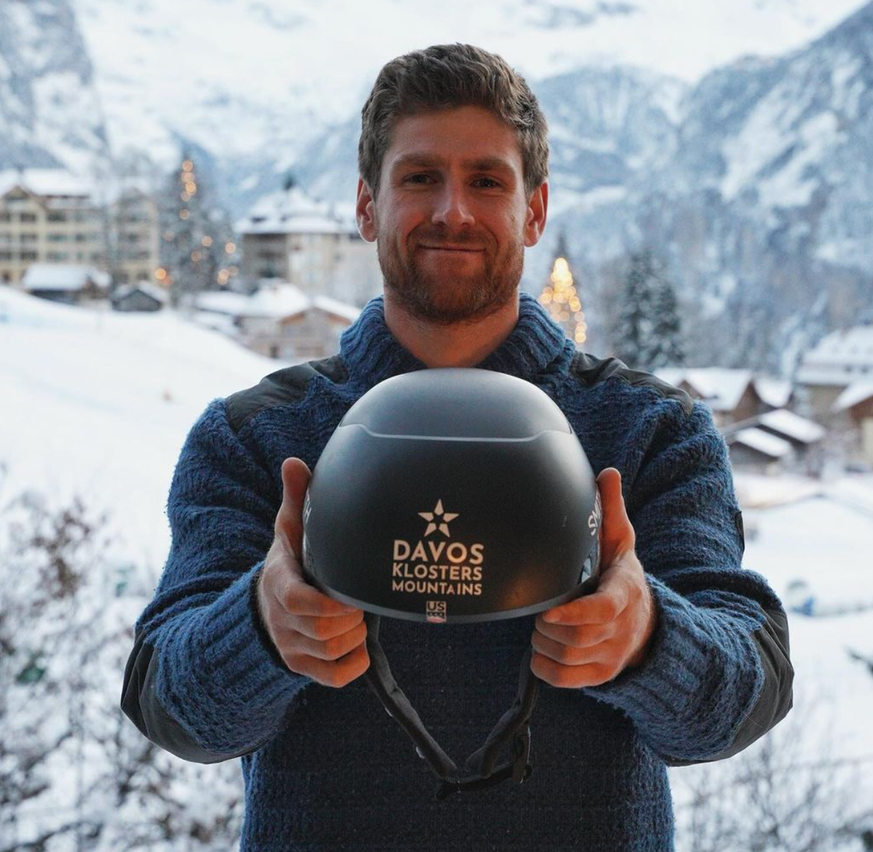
(254, 82)
(263, 77)
(766, 210)
(50, 114)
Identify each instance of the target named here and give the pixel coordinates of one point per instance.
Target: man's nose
(452, 207)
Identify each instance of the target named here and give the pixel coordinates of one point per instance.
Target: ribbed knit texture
(333, 771)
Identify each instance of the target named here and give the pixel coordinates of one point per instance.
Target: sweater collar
(372, 353)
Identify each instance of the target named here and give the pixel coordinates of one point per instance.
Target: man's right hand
(315, 635)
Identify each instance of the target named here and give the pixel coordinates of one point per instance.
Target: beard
(446, 298)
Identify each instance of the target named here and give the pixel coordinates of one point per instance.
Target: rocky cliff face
(49, 112)
(759, 197)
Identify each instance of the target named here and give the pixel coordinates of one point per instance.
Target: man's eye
(417, 178)
(487, 183)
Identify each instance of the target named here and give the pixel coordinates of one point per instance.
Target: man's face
(452, 218)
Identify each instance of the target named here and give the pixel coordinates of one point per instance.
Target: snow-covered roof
(221, 302)
(852, 395)
(52, 276)
(292, 211)
(772, 391)
(792, 425)
(276, 300)
(721, 388)
(839, 358)
(45, 182)
(335, 306)
(761, 441)
(125, 290)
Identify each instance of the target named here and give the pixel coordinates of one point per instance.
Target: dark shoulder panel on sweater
(286, 385)
(591, 371)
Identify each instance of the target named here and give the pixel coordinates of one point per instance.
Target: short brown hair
(445, 76)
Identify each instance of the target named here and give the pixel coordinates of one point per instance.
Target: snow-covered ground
(98, 404)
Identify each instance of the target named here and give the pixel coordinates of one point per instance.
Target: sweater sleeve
(204, 680)
(718, 674)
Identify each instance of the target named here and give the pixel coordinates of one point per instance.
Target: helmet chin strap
(481, 769)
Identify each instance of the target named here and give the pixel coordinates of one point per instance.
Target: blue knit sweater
(327, 769)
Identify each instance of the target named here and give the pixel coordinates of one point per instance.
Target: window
(28, 255)
(57, 256)
(28, 217)
(29, 238)
(58, 238)
(55, 216)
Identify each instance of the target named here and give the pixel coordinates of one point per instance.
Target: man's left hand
(592, 639)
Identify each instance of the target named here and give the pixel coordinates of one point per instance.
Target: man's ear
(535, 217)
(365, 212)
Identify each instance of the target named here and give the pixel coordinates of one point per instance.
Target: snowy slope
(99, 403)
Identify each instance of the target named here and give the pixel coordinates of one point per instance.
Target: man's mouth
(460, 249)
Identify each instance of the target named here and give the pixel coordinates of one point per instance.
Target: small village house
(280, 320)
(294, 238)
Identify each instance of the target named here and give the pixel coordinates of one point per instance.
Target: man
(680, 656)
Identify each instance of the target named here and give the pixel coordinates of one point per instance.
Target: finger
(298, 597)
(316, 627)
(600, 607)
(577, 636)
(328, 649)
(566, 655)
(335, 673)
(289, 520)
(616, 531)
(568, 677)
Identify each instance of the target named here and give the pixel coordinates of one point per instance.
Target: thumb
(616, 533)
(289, 520)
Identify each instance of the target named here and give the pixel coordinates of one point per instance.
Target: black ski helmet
(453, 495)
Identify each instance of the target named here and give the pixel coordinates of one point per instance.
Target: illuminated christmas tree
(559, 297)
(197, 248)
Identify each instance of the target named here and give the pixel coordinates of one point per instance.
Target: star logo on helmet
(438, 520)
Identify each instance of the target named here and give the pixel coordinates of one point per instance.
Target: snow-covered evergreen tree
(648, 329)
